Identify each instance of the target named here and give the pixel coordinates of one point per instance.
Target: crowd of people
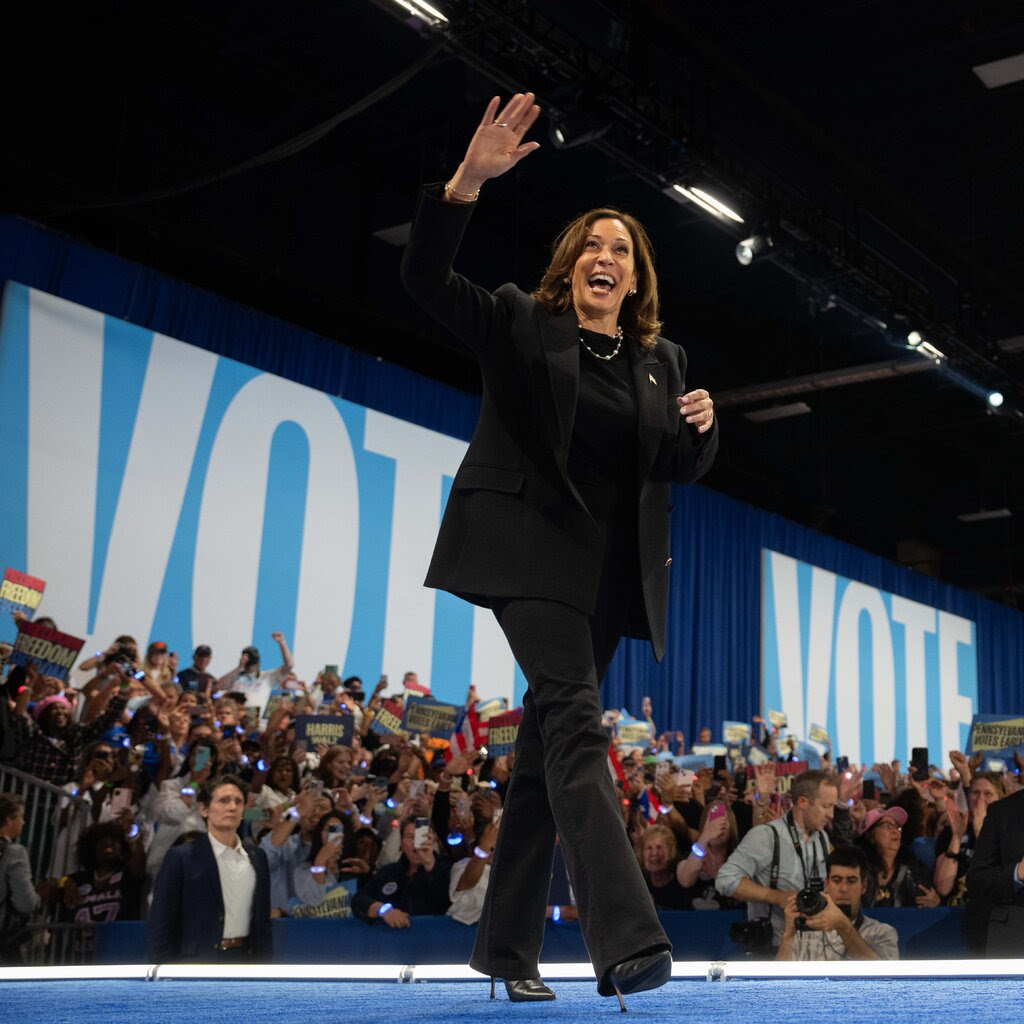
(389, 827)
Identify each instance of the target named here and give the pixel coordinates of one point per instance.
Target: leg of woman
(554, 646)
(511, 929)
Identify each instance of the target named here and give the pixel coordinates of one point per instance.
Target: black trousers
(561, 783)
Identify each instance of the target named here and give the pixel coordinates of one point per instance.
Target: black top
(671, 896)
(603, 450)
(602, 461)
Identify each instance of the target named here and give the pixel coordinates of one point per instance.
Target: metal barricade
(44, 806)
(53, 821)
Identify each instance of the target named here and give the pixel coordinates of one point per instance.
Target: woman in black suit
(558, 520)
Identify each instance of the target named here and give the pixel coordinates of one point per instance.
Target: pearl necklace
(597, 355)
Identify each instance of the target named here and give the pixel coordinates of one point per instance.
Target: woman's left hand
(698, 408)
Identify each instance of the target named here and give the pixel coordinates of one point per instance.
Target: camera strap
(795, 836)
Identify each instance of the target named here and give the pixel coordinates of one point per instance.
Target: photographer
(246, 678)
(779, 858)
(829, 925)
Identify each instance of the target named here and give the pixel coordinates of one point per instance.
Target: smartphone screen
(919, 764)
(255, 814)
(201, 760)
(120, 800)
(422, 834)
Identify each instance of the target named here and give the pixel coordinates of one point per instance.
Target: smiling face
(656, 855)
(604, 271)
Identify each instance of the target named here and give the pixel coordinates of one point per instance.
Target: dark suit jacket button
(221, 918)
(668, 562)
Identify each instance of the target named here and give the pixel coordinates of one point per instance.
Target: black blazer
(515, 525)
(990, 875)
(186, 920)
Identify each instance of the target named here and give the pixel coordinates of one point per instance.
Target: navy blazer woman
(515, 524)
(186, 921)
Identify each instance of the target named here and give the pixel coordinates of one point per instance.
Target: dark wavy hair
(639, 315)
(316, 844)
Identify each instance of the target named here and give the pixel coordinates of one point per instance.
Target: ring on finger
(500, 124)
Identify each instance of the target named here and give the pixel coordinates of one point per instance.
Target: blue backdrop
(712, 668)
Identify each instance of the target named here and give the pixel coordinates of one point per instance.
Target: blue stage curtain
(711, 669)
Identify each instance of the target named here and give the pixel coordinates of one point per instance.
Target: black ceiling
(855, 130)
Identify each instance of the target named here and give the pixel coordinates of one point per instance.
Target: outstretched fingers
(489, 118)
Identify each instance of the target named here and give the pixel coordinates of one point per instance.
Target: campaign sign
(337, 902)
(388, 720)
(52, 652)
(425, 715)
(634, 734)
(694, 762)
(20, 593)
(330, 730)
(737, 733)
(819, 734)
(996, 736)
(487, 709)
(277, 695)
(503, 731)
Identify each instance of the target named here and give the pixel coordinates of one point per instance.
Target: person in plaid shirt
(49, 742)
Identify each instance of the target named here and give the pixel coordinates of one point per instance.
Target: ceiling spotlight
(717, 205)
(928, 350)
(424, 11)
(707, 202)
(587, 123)
(914, 339)
(995, 399)
(753, 248)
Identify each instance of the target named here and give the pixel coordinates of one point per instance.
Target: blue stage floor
(777, 1001)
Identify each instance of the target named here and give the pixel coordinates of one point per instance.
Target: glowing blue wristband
(384, 908)
(698, 851)
(556, 913)
(317, 869)
(482, 854)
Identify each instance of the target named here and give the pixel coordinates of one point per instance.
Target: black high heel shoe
(640, 974)
(527, 990)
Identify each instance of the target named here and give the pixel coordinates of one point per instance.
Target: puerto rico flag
(469, 731)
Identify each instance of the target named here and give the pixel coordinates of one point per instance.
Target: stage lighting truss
(650, 134)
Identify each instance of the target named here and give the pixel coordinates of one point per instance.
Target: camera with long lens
(809, 901)
(754, 936)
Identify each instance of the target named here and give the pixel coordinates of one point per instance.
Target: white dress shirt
(237, 885)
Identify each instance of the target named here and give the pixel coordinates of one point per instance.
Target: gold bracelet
(466, 197)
